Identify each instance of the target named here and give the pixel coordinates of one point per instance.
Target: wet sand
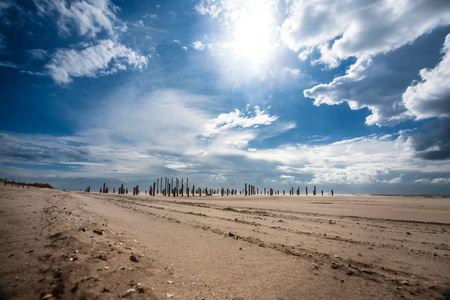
(70, 245)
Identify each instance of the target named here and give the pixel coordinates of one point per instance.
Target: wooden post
(187, 187)
(245, 189)
(155, 187)
(193, 190)
(306, 188)
(182, 187)
(332, 193)
(298, 191)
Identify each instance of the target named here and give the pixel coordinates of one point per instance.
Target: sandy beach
(73, 245)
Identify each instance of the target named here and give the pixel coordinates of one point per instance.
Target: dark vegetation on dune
(36, 184)
(42, 185)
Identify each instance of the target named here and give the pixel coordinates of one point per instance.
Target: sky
(346, 95)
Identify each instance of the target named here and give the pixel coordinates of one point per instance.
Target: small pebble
(129, 292)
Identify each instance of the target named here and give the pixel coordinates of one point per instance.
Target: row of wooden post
(177, 188)
(18, 184)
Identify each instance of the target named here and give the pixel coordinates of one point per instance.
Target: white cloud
(7, 64)
(209, 7)
(89, 17)
(179, 166)
(356, 28)
(438, 180)
(218, 178)
(150, 145)
(139, 23)
(106, 57)
(197, 45)
(238, 119)
(37, 54)
(430, 97)
(364, 160)
(360, 87)
(151, 16)
(292, 72)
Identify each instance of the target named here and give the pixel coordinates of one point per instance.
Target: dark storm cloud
(434, 142)
(19, 150)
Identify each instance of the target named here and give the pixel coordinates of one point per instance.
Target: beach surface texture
(73, 245)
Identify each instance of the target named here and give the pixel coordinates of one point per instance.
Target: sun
(252, 34)
(252, 38)
(249, 46)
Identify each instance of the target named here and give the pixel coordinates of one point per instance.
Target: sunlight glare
(252, 32)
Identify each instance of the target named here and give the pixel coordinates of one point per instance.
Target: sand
(70, 245)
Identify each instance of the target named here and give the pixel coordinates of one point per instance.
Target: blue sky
(352, 95)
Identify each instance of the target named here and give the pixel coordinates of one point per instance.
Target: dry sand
(71, 245)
